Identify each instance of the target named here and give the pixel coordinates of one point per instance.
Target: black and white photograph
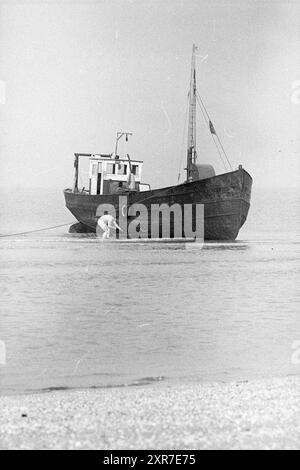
(149, 227)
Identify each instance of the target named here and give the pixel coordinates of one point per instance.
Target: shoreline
(255, 414)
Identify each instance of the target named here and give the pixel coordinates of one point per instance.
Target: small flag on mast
(211, 128)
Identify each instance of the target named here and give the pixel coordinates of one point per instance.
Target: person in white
(106, 223)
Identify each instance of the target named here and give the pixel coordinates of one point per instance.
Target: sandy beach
(240, 415)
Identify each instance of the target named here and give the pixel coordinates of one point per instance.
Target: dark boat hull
(226, 200)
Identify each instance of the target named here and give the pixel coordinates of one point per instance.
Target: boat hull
(226, 200)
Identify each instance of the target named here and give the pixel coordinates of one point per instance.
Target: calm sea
(79, 313)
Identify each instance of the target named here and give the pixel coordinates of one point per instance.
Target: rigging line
(183, 136)
(216, 145)
(219, 152)
(208, 117)
(201, 101)
(37, 230)
(224, 151)
(202, 111)
(212, 136)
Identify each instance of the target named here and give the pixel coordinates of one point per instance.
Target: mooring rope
(37, 230)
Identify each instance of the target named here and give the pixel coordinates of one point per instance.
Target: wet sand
(240, 415)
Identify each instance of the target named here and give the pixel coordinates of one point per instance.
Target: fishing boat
(225, 197)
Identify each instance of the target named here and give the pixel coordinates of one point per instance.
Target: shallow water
(76, 312)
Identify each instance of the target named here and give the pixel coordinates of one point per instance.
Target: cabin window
(122, 169)
(111, 168)
(135, 170)
(99, 183)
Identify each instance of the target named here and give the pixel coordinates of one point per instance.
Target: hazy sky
(75, 72)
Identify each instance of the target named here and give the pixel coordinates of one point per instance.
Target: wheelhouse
(111, 175)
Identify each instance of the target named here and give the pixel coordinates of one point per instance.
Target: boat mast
(191, 150)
